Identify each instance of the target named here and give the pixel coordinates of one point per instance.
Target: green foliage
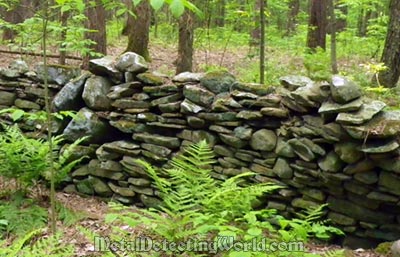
(317, 64)
(68, 216)
(21, 217)
(32, 245)
(27, 159)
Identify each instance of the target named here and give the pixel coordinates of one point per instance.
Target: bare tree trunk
(96, 21)
(332, 22)
(362, 25)
(316, 36)
(255, 34)
(21, 10)
(294, 9)
(64, 21)
(184, 61)
(138, 29)
(391, 52)
(262, 42)
(220, 14)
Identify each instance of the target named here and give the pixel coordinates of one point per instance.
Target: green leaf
(240, 254)
(65, 8)
(136, 2)
(177, 8)
(254, 231)
(156, 4)
(17, 114)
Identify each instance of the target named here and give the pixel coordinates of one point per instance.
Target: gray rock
(223, 151)
(170, 107)
(156, 149)
(105, 67)
(7, 98)
(84, 186)
(140, 182)
(303, 204)
(243, 133)
(198, 95)
(131, 62)
(331, 162)
(195, 122)
(330, 106)
(96, 170)
(100, 187)
(217, 81)
(313, 193)
(380, 147)
(282, 168)
(88, 124)
(384, 125)
(390, 182)
(365, 113)
(233, 141)
(358, 212)
(19, 65)
(126, 90)
(253, 88)
(363, 165)
(249, 115)
(369, 177)
(128, 103)
(344, 90)
(95, 93)
(218, 117)
(341, 219)
(284, 149)
(189, 107)
(263, 140)
(186, 76)
(382, 197)
(293, 82)
(348, 152)
(275, 112)
(169, 142)
(150, 78)
(124, 191)
(70, 96)
(166, 99)
(395, 249)
(27, 105)
(57, 73)
(302, 149)
(151, 202)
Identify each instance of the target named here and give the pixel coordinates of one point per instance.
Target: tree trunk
(255, 34)
(316, 36)
(64, 22)
(362, 25)
(138, 29)
(262, 42)
(332, 22)
(294, 9)
(391, 52)
(21, 11)
(96, 21)
(220, 14)
(184, 61)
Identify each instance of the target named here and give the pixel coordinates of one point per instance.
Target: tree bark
(138, 29)
(294, 9)
(96, 21)
(316, 36)
(220, 14)
(262, 42)
(184, 61)
(21, 11)
(255, 34)
(332, 22)
(391, 52)
(64, 23)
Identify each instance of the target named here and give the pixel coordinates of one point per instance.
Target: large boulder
(88, 124)
(95, 93)
(344, 90)
(218, 81)
(70, 96)
(131, 62)
(106, 67)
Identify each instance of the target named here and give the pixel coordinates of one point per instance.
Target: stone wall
(324, 142)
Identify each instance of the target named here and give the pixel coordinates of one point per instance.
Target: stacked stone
(324, 142)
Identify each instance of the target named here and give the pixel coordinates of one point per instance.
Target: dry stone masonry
(325, 142)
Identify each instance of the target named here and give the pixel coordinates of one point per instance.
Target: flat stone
(198, 95)
(217, 81)
(223, 151)
(96, 170)
(70, 96)
(341, 219)
(331, 162)
(368, 178)
(127, 103)
(292, 82)
(263, 140)
(100, 187)
(105, 67)
(233, 141)
(170, 107)
(59, 74)
(390, 182)
(166, 99)
(358, 212)
(364, 114)
(275, 112)
(169, 142)
(195, 122)
(303, 204)
(127, 90)
(282, 168)
(348, 152)
(344, 90)
(302, 149)
(382, 197)
(186, 76)
(284, 149)
(330, 106)
(218, 117)
(141, 182)
(361, 166)
(122, 147)
(249, 115)
(124, 191)
(243, 133)
(313, 193)
(7, 98)
(380, 147)
(156, 149)
(253, 88)
(26, 105)
(189, 107)
(161, 90)
(150, 78)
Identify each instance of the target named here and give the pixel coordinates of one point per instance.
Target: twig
(38, 54)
